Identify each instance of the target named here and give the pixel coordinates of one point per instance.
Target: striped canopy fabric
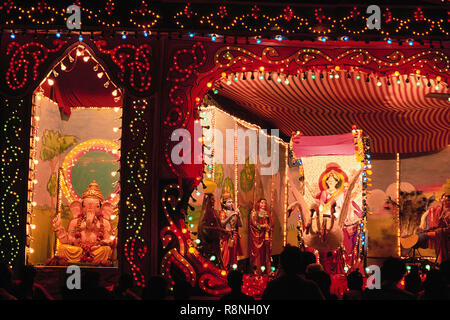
(397, 117)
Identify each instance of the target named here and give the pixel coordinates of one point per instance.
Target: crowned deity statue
(330, 221)
(260, 237)
(231, 221)
(89, 237)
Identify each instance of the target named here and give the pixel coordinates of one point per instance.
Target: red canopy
(397, 117)
(79, 86)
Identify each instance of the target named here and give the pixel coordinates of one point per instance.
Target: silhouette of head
(27, 274)
(355, 280)
(156, 288)
(5, 276)
(291, 260)
(309, 257)
(182, 290)
(234, 279)
(393, 270)
(125, 281)
(322, 279)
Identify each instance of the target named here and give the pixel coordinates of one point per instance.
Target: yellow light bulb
(86, 59)
(100, 75)
(50, 82)
(114, 93)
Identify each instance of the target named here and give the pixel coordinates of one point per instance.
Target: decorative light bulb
(50, 82)
(86, 58)
(114, 93)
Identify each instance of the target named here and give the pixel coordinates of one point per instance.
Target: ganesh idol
(89, 237)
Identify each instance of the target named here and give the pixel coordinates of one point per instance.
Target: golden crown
(93, 191)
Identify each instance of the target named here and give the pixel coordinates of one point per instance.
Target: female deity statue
(260, 236)
(326, 210)
(323, 223)
(230, 219)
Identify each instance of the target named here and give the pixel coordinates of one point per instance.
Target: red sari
(260, 241)
(441, 227)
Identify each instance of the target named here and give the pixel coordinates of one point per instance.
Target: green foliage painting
(52, 184)
(218, 175)
(247, 176)
(53, 145)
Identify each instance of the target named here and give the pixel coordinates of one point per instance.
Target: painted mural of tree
(53, 145)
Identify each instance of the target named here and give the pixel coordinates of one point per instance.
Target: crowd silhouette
(298, 278)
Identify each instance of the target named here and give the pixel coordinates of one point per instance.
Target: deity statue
(330, 222)
(260, 236)
(210, 229)
(230, 219)
(435, 227)
(89, 237)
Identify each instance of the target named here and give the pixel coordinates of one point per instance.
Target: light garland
(31, 176)
(135, 163)
(10, 168)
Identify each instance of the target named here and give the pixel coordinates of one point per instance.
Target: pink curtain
(307, 146)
